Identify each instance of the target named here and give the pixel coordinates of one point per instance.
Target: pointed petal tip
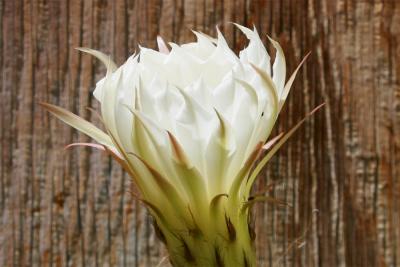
(289, 83)
(42, 104)
(82, 49)
(218, 30)
(235, 24)
(220, 37)
(78, 123)
(271, 142)
(210, 38)
(282, 141)
(178, 151)
(162, 46)
(97, 146)
(249, 33)
(106, 59)
(269, 37)
(317, 108)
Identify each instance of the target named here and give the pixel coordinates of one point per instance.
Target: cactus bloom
(188, 123)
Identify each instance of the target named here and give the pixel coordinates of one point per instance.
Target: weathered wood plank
(340, 173)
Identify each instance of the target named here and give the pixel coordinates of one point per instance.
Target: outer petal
(289, 84)
(255, 52)
(202, 49)
(279, 67)
(111, 66)
(79, 124)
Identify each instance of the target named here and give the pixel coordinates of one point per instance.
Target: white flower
(218, 106)
(188, 124)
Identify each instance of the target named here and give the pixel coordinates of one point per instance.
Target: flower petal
(80, 124)
(279, 67)
(274, 149)
(289, 83)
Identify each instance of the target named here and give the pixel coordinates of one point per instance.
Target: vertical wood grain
(340, 173)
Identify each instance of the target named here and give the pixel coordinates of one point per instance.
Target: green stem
(226, 241)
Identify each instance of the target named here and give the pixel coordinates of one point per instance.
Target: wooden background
(340, 172)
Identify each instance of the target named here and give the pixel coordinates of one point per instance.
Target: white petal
(106, 60)
(255, 52)
(289, 83)
(279, 67)
(202, 49)
(162, 46)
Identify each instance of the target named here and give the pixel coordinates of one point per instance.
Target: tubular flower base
(221, 238)
(188, 123)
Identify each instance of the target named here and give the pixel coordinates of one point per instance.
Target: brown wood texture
(340, 173)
